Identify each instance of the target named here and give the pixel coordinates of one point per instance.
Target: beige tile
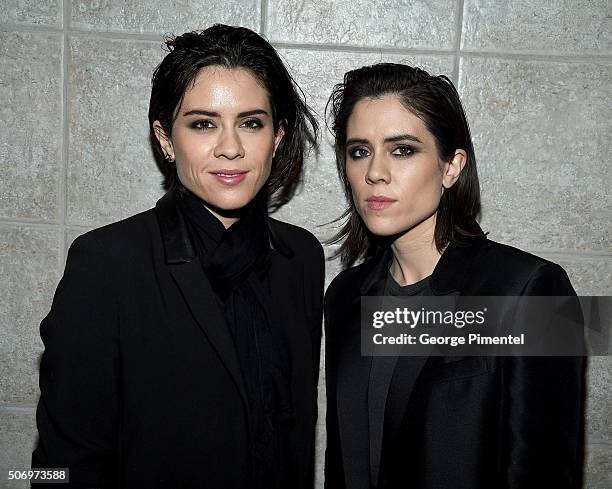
(36, 12)
(29, 259)
(396, 23)
(541, 132)
(17, 440)
(111, 170)
(30, 124)
(162, 17)
(581, 26)
(598, 470)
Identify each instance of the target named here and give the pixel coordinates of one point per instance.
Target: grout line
(580, 255)
(27, 222)
(545, 56)
(599, 443)
(63, 199)
(459, 32)
(541, 56)
(362, 49)
(120, 36)
(13, 26)
(263, 21)
(8, 406)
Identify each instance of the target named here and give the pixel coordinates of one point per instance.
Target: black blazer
(140, 382)
(451, 422)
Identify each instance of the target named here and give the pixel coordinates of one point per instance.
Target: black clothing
(418, 288)
(141, 381)
(452, 422)
(236, 262)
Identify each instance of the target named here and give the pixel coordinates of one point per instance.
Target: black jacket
(451, 422)
(140, 383)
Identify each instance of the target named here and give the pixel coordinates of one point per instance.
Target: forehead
(217, 87)
(381, 117)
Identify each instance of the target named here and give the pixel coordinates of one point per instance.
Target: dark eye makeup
(202, 124)
(358, 152)
(403, 150)
(253, 123)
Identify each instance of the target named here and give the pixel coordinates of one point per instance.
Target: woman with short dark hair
(182, 346)
(406, 160)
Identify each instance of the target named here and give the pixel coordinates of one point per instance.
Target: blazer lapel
(200, 298)
(187, 271)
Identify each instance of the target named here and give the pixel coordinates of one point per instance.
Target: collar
(178, 246)
(448, 276)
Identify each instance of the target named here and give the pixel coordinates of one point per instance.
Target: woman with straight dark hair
(182, 346)
(406, 160)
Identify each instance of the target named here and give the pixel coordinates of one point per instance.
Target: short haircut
(236, 48)
(435, 101)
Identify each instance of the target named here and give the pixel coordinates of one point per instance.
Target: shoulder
(522, 271)
(509, 257)
(300, 241)
(122, 238)
(347, 284)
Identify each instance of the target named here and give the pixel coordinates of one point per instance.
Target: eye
(203, 124)
(252, 124)
(358, 153)
(403, 151)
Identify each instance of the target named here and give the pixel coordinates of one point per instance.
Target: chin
(231, 204)
(382, 226)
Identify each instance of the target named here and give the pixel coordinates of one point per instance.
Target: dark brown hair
(435, 101)
(235, 47)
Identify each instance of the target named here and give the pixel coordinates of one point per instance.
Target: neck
(414, 253)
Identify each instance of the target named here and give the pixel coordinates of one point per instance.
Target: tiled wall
(536, 79)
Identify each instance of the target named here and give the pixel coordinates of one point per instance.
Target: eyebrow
(209, 113)
(392, 139)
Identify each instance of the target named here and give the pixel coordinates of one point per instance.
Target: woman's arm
(77, 415)
(334, 471)
(542, 407)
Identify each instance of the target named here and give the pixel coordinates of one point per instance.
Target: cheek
(262, 150)
(355, 177)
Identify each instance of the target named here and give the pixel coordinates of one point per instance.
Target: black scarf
(236, 262)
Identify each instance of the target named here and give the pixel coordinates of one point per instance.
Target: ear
(164, 141)
(453, 168)
(280, 133)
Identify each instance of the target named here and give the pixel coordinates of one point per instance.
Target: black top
(453, 422)
(141, 385)
(418, 288)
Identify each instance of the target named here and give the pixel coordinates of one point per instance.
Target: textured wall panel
(317, 72)
(589, 276)
(29, 260)
(541, 132)
(39, 12)
(111, 170)
(398, 24)
(582, 26)
(162, 16)
(30, 124)
(598, 467)
(599, 400)
(17, 439)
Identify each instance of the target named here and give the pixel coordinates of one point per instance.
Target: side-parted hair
(235, 48)
(435, 101)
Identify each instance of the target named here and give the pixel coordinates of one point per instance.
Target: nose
(229, 144)
(377, 171)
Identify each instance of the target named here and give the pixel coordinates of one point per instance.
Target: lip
(229, 177)
(379, 202)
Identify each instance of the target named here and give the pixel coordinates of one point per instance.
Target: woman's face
(223, 138)
(393, 167)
